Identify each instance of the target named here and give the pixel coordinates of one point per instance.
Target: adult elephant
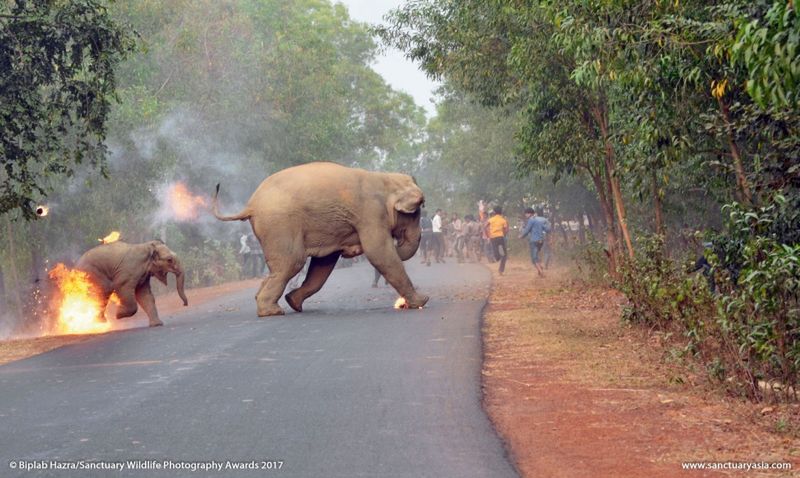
(126, 269)
(324, 211)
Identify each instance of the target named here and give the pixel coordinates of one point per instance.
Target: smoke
(199, 153)
(7, 325)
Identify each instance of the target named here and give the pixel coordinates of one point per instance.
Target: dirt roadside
(169, 303)
(574, 393)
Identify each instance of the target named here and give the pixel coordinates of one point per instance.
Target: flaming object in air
(42, 210)
(113, 237)
(77, 303)
(181, 204)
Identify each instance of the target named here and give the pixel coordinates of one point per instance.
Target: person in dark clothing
(702, 264)
(426, 241)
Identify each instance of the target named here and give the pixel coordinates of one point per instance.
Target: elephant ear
(409, 200)
(155, 256)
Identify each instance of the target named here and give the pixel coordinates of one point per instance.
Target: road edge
(508, 452)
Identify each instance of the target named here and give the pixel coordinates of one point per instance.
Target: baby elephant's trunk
(179, 281)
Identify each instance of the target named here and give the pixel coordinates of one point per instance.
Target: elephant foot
(294, 301)
(156, 323)
(273, 309)
(417, 301)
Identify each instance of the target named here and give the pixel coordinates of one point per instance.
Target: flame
(78, 303)
(402, 304)
(42, 210)
(113, 237)
(182, 204)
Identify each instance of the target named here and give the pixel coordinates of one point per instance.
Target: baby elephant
(126, 269)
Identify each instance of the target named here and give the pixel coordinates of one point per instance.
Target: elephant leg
(381, 252)
(144, 296)
(127, 303)
(281, 271)
(318, 272)
(104, 295)
(103, 290)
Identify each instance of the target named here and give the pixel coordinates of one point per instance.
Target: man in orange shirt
(497, 228)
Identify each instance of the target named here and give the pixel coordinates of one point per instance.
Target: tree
(507, 55)
(58, 80)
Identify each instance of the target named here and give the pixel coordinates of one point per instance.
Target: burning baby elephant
(324, 211)
(126, 270)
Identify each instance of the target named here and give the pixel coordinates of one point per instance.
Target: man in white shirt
(438, 237)
(245, 253)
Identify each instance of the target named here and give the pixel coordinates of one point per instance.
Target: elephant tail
(242, 216)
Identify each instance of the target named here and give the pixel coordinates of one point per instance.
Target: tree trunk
(613, 179)
(581, 229)
(657, 205)
(743, 186)
(611, 235)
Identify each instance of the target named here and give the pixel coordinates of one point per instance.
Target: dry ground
(167, 304)
(575, 393)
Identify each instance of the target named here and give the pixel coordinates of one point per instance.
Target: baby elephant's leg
(144, 296)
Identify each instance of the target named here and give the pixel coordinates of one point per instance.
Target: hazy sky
(402, 74)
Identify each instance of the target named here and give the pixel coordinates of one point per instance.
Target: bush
(746, 332)
(592, 262)
(759, 311)
(663, 296)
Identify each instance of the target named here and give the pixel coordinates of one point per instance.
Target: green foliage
(759, 309)
(661, 295)
(286, 82)
(591, 263)
(777, 221)
(468, 155)
(769, 47)
(748, 332)
(58, 61)
(762, 315)
(209, 263)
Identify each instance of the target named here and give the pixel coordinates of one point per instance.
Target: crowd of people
(471, 238)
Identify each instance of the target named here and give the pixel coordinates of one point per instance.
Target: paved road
(348, 388)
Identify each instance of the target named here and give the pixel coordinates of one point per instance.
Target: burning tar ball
(42, 210)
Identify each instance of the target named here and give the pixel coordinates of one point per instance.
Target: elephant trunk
(179, 282)
(408, 243)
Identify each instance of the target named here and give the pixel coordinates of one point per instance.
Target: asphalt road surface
(348, 388)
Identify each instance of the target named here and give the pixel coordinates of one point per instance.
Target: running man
(497, 228)
(536, 228)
